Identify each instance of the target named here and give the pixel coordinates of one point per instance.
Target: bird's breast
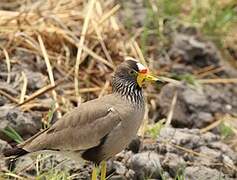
(122, 135)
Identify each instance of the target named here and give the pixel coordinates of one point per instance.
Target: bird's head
(133, 71)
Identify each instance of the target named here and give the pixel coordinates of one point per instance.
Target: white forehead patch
(141, 67)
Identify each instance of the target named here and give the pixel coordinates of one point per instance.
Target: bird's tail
(14, 152)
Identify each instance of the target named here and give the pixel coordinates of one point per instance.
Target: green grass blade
(11, 133)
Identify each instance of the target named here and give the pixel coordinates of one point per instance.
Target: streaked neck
(129, 90)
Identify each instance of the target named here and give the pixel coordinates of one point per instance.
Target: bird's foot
(103, 170)
(94, 173)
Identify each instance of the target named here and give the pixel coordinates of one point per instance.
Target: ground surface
(199, 143)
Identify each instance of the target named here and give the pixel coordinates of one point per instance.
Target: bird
(98, 129)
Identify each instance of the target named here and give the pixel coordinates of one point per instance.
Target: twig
(97, 57)
(98, 33)
(219, 80)
(14, 176)
(139, 53)
(24, 87)
(8, 65)
(47, 62)
(211, 126)
(50, 72)
(36, 106)
(109, 14)
(104, 89)
(106, 16)
(171, 112)
(170, 80)
(216, 123)
(46, 89)
(9, 97)
(189, 150)
(204, 70)
(81, 42)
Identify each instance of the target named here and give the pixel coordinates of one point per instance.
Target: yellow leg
(94, 173)
(103, 170)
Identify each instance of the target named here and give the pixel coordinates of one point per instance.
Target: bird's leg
(103, 170)
(94, 173)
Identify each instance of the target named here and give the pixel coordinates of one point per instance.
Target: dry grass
(66, 35)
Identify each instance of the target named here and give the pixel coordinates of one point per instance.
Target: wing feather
(80, 129)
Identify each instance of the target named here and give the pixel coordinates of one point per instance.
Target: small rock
(66, 163)
(172, 163)
(146, 164)
(8, 88)
(206, 117)
(3, 165)
(4, 145)
(226, 160)
(192, 108)
(2, 100)
(194, 97)
(130, 174)
(117, 177)
(224, 149)
(119, 168)
(18, 120)
(211, 153)
(210, 157)
(189, 138)
(134, 145)
(203, 173)
(25, 163)
(209, 137)
(180, 114)
(36, 80)
(194, 50)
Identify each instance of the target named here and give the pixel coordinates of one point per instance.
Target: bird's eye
(132, 72)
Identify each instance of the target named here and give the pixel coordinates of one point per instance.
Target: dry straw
(64, 35)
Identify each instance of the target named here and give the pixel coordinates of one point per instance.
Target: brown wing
(80, 129)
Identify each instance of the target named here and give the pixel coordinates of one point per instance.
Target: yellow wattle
(141, 78)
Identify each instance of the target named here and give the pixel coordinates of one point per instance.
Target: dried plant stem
(9, 96)
(8, 65)
(98, 33)
(211, 126)
(40, 92)
(107, 16)
(50, 71)
(46, 88)
(24, 87)
(219, 120)
(219, 80)
(139, 53)
(81, 42)
(171, 112)
(106, 86)
(97, 57)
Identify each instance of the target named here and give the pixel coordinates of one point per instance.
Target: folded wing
(81, 129)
